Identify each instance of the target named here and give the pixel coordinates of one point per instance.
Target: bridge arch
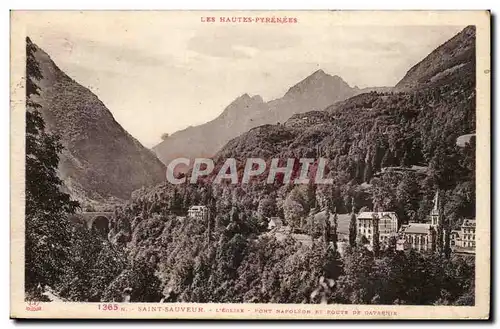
(100, 225)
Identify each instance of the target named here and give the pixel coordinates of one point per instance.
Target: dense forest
(390, 151)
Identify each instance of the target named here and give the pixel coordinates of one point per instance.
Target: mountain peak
(242, 102)
(318, 80)
(319, 72)
(246, 98)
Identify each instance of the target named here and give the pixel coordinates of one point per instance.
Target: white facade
(387, 225)
(198, 212)
(466, 236)
(419, 236)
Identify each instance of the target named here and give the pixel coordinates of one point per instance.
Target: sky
(159, 72)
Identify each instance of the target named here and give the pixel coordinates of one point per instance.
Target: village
(418, 236)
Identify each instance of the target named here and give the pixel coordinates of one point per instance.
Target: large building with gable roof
(421, 236)
(388, 222)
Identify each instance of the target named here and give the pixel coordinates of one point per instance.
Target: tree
(235, 214)
(352, 227)
(267, 207)
(368, 172)
(392, 244)
(47, 246)
(327, 227)
(440, 229)
(407, 196)
(139, 280)
(95, 263)
(212, 206)
(355, 286)
(175, 202)
(294, 207)
(334, 237)
(376, 235)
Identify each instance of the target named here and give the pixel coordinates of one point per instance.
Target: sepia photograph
(246, 164)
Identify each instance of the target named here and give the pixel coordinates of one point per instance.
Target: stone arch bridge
(95, 221)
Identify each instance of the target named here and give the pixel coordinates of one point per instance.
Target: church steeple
(435, 218)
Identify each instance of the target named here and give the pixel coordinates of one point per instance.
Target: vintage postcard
(250, 164)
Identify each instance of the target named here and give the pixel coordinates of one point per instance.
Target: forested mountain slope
(100, 159)
(372, 141)
(458, 53)
(367, 140)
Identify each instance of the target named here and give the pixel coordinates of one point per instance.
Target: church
(421, 236)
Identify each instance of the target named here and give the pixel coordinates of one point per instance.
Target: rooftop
(416, 228)
(380, 214)
(469, 222)
(197, 207)
(275, 220)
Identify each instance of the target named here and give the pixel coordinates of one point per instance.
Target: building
(454, 236)
(465, 237)
(274, 222)
(435, 216)
(387, 225)
(419, 236)
(422, 236)
(198, 212)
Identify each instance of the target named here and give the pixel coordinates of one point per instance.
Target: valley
(401, 199)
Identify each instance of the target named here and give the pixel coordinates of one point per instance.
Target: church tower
(435, 213)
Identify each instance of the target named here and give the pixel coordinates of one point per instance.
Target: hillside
(315, 92)
(457, 54)
(226, 258)
(100, 161)
(368, 132)
(361, 137)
